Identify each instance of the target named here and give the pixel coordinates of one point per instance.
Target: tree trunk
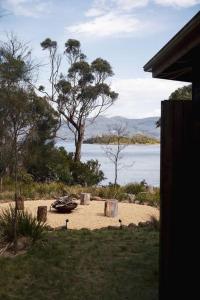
(116, 171)
(16, 175)
(85, 199)
(19, 203)
(78, 144)
(42, 213)
(111, 208)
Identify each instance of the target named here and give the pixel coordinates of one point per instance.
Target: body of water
(138, 162)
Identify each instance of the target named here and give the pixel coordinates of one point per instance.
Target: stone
(23, 243)
(96, 198)
(137, 202)
(131, 198)
(125, 201)
(132, 225)
(112, 227)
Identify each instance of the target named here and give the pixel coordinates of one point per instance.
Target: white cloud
(141, 97)
(178, 3)
(130, 4)
(94, 12)
(28, 8)
(100, 7)
(108, 25)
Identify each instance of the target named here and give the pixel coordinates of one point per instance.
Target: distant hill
(145, 126)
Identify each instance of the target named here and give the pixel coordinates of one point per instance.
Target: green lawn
(85, 265)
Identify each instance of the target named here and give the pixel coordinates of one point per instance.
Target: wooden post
(85, 199)
(42, 213)
(177, 162)
(19, 203)
(111, 208)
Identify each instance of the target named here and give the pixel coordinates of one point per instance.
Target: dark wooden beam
(176, 153)
(196, 75)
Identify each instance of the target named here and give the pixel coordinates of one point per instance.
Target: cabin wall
(180, 151)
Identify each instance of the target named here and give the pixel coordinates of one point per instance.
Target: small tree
(82, 92)
(16, 101)
(115, 146)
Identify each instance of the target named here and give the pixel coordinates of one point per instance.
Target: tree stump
(19, 203)
(111, 208)
(85, 199)
(42, 213)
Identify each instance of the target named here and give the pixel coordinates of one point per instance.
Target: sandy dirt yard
(92, 216)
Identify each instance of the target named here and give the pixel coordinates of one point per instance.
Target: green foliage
(112, 139)
(82, 91)
(152, 199)
(135, 188)
(87, 174)
(56, 189)
(184, 93)
(15, 62)
(27, 225)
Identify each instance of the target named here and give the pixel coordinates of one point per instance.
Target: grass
(85, 265)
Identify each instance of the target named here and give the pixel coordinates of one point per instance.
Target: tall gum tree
(83, 92)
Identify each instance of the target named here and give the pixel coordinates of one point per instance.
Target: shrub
(135, 188)
(87, 174)
(27, 225)
(152, 199)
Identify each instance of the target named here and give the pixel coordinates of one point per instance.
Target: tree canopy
(80, 93)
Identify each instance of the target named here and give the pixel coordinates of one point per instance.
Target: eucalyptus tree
(83, 92)
(16, 101)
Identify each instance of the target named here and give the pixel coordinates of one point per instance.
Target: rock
(131, 198)
(122, 226)
(145, 224)
(23, 243)
(132, 225)
(74, 196)
(125, 201)
(96, 198)
(113, 227)
(142, 224)
(60, 228)
(49, 228)
(137, 202)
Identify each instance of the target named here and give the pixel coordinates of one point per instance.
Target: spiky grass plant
(27, 225)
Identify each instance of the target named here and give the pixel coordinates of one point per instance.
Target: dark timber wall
(180, 152)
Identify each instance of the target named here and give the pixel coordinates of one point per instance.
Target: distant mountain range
(144, 126)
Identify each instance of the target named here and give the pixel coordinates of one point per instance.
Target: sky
(127, 33)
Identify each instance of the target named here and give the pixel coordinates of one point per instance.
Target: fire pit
(64, 204)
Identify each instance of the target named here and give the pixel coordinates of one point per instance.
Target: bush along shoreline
(127, 140)
(138, 193)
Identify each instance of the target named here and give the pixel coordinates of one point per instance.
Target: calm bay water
(139, 162)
